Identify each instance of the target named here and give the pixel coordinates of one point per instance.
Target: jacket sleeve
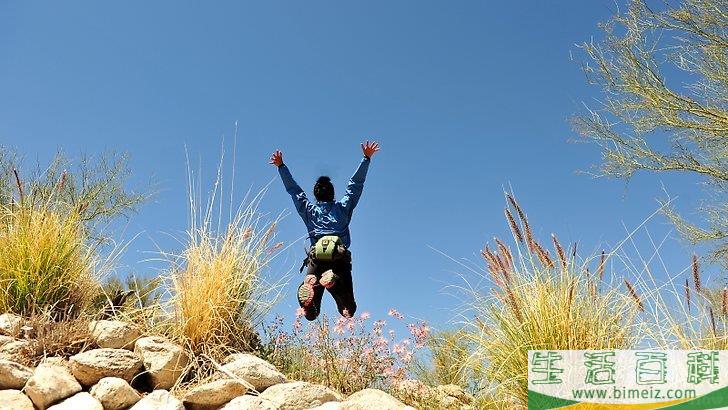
(356, 186)
(294, 190)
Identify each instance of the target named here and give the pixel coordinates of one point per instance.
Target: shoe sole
(328, 279)
(306, 292)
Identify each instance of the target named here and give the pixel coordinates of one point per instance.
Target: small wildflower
(395, 314)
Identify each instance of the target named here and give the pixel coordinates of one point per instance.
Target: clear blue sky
(465, 97)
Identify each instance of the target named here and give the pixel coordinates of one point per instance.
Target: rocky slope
(109, 378)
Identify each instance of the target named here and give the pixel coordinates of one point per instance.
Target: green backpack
(326, 247)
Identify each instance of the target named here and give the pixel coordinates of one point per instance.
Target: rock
(16, 350)
(113, 334)
(10, 324)
(453, 396)
(5, 340)
(50, 384)
(164, 361)
(253, 370)
(331, 405)
(15, 399)
(368, 399)
(249, 402)
(159, 400)
(79, 401)
(115, 393)
(57, 361)
(93, 365)
(214, 394)
(13, 375)
(299, 395)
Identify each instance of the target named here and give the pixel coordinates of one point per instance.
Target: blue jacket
(327, 218)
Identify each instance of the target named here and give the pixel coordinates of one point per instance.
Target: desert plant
(45, 260)
(217, 291)
(696, 317)
(51, 338)
(447, 360)
(662, 73)
(95, 186)
(347, 355)
(51, 228)
(543, 302)
(130, 292)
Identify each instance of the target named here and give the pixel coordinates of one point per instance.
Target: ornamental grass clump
(698, 319)
(46, 263)
(543, 301)
(218, 293)
(52, 227)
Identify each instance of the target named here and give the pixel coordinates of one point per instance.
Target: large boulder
(249, 402)
(115, 393)
(164, 361)
(299, 395)
(15, 399)
(159, 400)
(78, 401)
(214, 394)
(13, 375)
(49, 384)
(254, 370)
(113, 334)
(368, 399)
(93, 365)
(11, 324)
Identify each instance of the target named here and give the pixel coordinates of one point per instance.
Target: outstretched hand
(276, 158)
(370, 148)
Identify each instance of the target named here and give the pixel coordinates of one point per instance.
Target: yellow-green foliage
(45, 262)
(218, 294)
(448, 361)
(697, 320)
(218, 290)
(541, 302)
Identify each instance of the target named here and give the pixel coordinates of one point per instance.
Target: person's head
(323, 190)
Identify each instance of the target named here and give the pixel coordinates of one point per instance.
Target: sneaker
(306, 292)
(328, 279)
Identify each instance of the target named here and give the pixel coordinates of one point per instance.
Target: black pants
(343, 289)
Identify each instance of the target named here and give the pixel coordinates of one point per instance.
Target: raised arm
(294, 190)
(356, 184)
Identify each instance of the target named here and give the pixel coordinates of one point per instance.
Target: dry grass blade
(687, 293)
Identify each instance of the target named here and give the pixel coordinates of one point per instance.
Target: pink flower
(395, 314)
(365, 316)
(339, 326)
(300, 312)
(419, 332)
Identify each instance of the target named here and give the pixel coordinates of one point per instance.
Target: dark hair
(323, 190)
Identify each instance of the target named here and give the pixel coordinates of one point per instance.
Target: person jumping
(328, 262)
